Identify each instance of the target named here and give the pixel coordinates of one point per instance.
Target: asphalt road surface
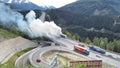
(68, 43)
(38, 53)
(42, 17)
(105, 58)
(9, 47)
(108, 58)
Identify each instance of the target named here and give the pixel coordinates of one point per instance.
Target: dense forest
(102, 31)
(94, 7)
(102, 42)
(93, 30)
(88, 24)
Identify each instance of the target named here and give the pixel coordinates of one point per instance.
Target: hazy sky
(56, 3)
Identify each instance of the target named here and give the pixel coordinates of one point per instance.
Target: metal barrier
(53, 62)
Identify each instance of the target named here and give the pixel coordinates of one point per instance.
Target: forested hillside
(94, 7)
(96, 30)
(87, 25)
(102, 31)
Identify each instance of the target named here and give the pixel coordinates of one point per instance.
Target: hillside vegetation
(11, 32)
(94, 7)
(89, 27)
(6, 34)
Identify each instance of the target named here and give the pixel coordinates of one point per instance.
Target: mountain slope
(86, 25)
(94, 7)
(26, 5)
(29, 6)
(37, 4)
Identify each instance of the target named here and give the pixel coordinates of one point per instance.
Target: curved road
(38, 53)
(69, 46)
(108, 60)
(42, 17)
(9, 47)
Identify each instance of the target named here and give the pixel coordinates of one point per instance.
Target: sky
(55, 3)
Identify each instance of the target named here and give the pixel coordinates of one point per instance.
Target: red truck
(81, 48)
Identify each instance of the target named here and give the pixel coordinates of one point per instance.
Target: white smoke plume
(9, 17)
(33, 27)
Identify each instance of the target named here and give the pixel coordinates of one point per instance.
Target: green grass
(6, 34)
(11, 61)
(107, 66)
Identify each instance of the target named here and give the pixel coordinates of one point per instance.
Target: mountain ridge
(26, 5)
(94, 7)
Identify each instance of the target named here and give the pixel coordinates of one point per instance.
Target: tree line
(103, 42)
(68, 19)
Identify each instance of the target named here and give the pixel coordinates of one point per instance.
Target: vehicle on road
(98, 56)
(38, 60)
(82, 48)
(63, 36)
(97, 49)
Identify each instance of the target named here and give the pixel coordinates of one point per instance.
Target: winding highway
(42, 17)
(39, 52)
(68, 43)
(109, 58)
(94, 55)
(9, 47)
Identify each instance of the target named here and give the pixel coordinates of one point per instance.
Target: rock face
(11, 46)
